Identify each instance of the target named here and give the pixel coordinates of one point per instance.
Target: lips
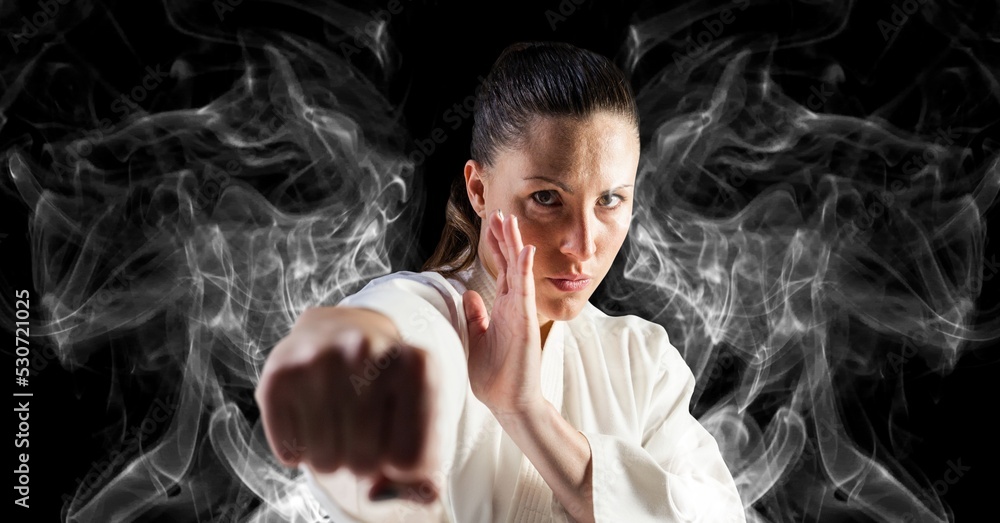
(570, 285)
(571, 277)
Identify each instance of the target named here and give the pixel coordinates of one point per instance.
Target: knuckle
(328, 355)
(405, 456)
(363, 464)
(275, 385)
(387, 357)
(287, 379)
(426, 378)
(417, 360)
(325, 464)
(406, 452)
(329, 361)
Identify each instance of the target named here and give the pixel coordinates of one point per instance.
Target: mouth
(572, 276)
(567, 285)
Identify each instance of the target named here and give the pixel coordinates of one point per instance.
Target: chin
(564, 309)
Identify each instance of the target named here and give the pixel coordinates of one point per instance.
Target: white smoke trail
(787, 249)
(197, 236)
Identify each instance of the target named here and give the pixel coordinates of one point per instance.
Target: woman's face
(571, 188)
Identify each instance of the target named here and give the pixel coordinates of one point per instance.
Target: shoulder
(426, 278)
(650, 333)
(411, 289)
(414, 300)
(645, 341)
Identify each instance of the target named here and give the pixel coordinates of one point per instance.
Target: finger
(528, 277)
(515, 236)
(496, 249)
(411, 412)
(498, 232)
(422, 491)
(476, 316)
(513, 239)
(280, 419)
(495, 240)
(320, 408)
(372, 401)
(506, 242)
(501, 262)
(329, 411)
(346, 397)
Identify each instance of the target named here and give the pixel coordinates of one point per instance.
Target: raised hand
(505, 345)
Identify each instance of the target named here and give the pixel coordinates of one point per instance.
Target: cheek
(615, 229)
(540, 233)
(531, 232)
(618, 228)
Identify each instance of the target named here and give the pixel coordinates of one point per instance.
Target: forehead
(602, 147)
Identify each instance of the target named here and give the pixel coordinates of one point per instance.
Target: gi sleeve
(677, 474)
(425, 310)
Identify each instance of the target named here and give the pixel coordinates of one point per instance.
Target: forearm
(560, 454)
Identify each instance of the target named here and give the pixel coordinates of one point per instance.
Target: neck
(546, 327)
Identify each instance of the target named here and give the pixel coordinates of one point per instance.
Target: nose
(578, 238)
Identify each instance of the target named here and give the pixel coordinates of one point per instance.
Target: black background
(443, 47)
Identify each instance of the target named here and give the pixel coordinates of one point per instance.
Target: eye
(621, 199)
(548, 198)
(534, 197)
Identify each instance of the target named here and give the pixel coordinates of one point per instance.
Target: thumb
(424, 492)
(476, 317)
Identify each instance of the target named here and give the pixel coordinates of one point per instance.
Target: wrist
(523, 414)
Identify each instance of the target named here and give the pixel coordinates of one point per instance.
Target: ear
(475, 187)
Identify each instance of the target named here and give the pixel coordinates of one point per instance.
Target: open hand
(505, 345)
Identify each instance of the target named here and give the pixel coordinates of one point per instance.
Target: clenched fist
(343, 390)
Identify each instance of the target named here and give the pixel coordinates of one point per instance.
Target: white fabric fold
(618, 380)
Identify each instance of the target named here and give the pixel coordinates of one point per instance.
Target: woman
(487, 387)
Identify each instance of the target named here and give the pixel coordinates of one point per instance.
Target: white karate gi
(618, 380)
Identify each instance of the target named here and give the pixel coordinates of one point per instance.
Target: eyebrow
(565, 187)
